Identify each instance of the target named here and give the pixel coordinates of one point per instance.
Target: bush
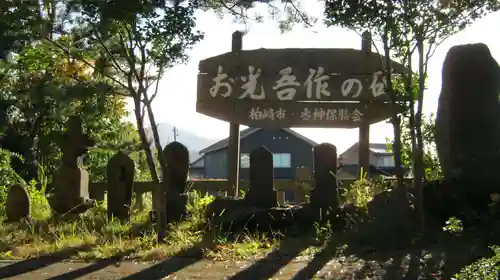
(7, 175)
(362, 191)
(484, 268)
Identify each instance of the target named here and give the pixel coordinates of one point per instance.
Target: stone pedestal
(70, 191)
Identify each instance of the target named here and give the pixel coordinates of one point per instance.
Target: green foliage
(323, 230)
(431, 160)
(400, 20)
(125, 44)
(362, 191)
(20, 24)
(7, 175)
(40, 208)
(44, 88)
(453, 226)
(484, 268)
(198, 204)
(406, 28)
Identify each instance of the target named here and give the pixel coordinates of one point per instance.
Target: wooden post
(364, 128)
(139, 203)
(233, 166)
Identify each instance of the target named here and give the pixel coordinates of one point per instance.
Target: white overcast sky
(177, 97)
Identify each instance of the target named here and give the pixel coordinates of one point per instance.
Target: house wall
(380, 163)
(385, 161)
(216, 164)
(198, 163)
(276, 141)
(350, 157)
(196, 173)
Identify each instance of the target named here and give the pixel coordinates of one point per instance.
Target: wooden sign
(297, 114)
(295, 75)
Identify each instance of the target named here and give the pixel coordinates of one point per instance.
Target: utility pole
(176, 133)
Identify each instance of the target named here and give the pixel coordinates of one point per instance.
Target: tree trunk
(419, 152)
(156, 138)
(396, 149)
(145, 144)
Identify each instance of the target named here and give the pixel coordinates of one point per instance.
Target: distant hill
(193, 142)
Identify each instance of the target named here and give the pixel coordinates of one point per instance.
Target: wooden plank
(346, 74)
(299, 114)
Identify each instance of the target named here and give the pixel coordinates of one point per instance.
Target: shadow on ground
(382, 246)
(99, 265)
(33, 264)
(175, 263)
(267, 267)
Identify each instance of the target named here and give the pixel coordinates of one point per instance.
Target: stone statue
(70, 183)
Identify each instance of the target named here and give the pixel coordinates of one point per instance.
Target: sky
(176, 101)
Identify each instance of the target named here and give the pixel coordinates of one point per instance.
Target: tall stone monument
(468, 120)
(70, 183)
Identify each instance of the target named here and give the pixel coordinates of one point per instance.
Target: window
(385, 161)
(245, 160)
(282, 160)
(389, 161)
(279, 160)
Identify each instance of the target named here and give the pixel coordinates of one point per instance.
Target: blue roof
(224, 143)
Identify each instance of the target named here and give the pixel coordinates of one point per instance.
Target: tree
(431, 160)
(129, 38)
(40, 88)
(133, 43)
(19, 24)
(408, 29)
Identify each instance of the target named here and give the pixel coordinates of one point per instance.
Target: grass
(96, 237)
(104, 238)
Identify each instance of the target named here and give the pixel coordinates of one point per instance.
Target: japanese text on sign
(285, 88)
(307, 114)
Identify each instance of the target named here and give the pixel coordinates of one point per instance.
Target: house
(290, 150)
(197, 168)
(381, 161)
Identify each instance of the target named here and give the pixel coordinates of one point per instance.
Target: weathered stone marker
(302, 174)
(173, 203)
(70, 183)
(468, 119)
(17, 206)
(120, 175)
(324, 195)
(261, 192)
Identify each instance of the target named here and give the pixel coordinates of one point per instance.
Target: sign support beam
(233, 167)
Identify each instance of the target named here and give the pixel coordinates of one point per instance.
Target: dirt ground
(439, 261)
(183, 268)
(399, 265)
